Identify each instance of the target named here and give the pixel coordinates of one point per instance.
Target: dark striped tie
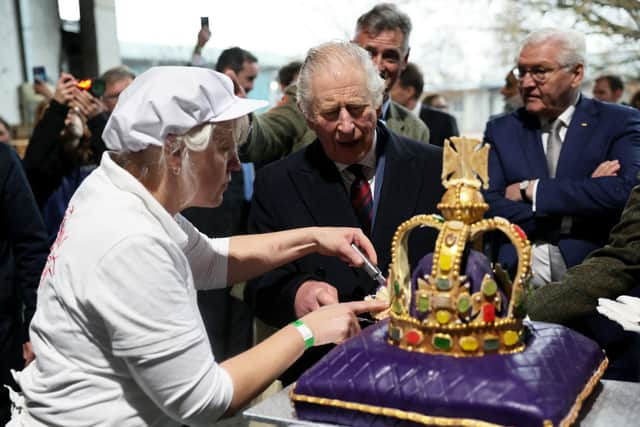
(361, 198)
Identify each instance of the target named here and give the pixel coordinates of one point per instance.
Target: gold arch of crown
(447, 318)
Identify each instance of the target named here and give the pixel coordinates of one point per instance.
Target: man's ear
(406, 58)
(618, 94)
(578, 75)
(310, 122)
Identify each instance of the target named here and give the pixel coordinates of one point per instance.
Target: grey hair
(322, 59)
(572, 44)
(197, 139)
(384, 17)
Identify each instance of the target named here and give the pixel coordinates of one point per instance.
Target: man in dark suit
(562, 166)
(340, 91)
(407, 92)
(384, 31)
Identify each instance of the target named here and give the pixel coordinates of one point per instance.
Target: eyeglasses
(538, 73)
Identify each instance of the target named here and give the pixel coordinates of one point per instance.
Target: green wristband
(306, 333)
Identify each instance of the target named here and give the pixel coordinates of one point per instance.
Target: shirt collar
(566, 116)
(124, 181)
(385, 108)
(369, 160)
(417, 108)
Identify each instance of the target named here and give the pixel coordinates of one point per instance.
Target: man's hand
(237, 89)
(27, 353)
(312, 295)
(203, 37)
(42, 88)
(65, 88)
(606, 168)
(512, 192)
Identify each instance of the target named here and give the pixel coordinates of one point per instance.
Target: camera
(95, 87)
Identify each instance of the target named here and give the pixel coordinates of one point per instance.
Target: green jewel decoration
(491, 343)
(396, 306)
(489, 287)
(396, 288)
(443, 284)
(396, 334)
(442, 342)
(464, 303)
(423, 303)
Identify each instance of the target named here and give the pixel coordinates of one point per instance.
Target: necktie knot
(357, 170)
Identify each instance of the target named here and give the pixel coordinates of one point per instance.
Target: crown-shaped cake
(440, 310)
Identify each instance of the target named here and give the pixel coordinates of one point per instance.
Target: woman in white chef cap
(117, 334)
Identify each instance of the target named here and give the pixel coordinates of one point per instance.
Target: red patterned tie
(361, 198)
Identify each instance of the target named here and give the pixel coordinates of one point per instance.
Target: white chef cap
(172, 100)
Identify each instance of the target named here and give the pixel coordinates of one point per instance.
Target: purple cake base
(545, 383)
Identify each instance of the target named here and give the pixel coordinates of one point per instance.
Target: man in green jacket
(608, 272)
(384, 32)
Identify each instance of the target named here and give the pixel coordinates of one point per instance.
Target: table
(613, 403)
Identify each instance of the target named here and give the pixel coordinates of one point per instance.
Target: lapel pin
(584, 125)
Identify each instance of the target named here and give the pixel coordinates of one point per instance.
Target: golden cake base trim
(427, 420)
(586, 392)
(390, 412)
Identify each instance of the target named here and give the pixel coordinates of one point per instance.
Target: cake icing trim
(415, 417)
(584, 394)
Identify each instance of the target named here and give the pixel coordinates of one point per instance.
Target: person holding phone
(61, 150)
(117, 335)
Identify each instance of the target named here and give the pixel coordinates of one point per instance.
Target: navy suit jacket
(306, 189)
(598, 131)
(441, 125)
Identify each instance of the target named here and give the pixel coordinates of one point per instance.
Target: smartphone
(204, 21)
(39, 73)
(97, 88)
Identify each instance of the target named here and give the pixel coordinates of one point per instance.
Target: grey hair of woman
(334, 57)
(572, 44)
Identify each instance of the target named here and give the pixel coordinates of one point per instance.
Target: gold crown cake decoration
(441, 313)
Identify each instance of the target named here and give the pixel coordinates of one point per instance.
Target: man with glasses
(563, 165)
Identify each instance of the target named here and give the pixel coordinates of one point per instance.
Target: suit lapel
(577, 137)
(401, 187)
(536, 161)
(322, 191)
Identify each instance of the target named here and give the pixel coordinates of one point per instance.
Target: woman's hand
(86, 104)
(338, 322)
(334, 241)
(65, 88)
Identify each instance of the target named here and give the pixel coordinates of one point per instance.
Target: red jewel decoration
(413, 337)
(520, 232)
(489, 313)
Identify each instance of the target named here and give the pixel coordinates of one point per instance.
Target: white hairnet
(166, 100)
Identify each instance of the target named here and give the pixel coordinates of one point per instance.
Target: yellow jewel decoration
(468, 343)
(443, 316)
